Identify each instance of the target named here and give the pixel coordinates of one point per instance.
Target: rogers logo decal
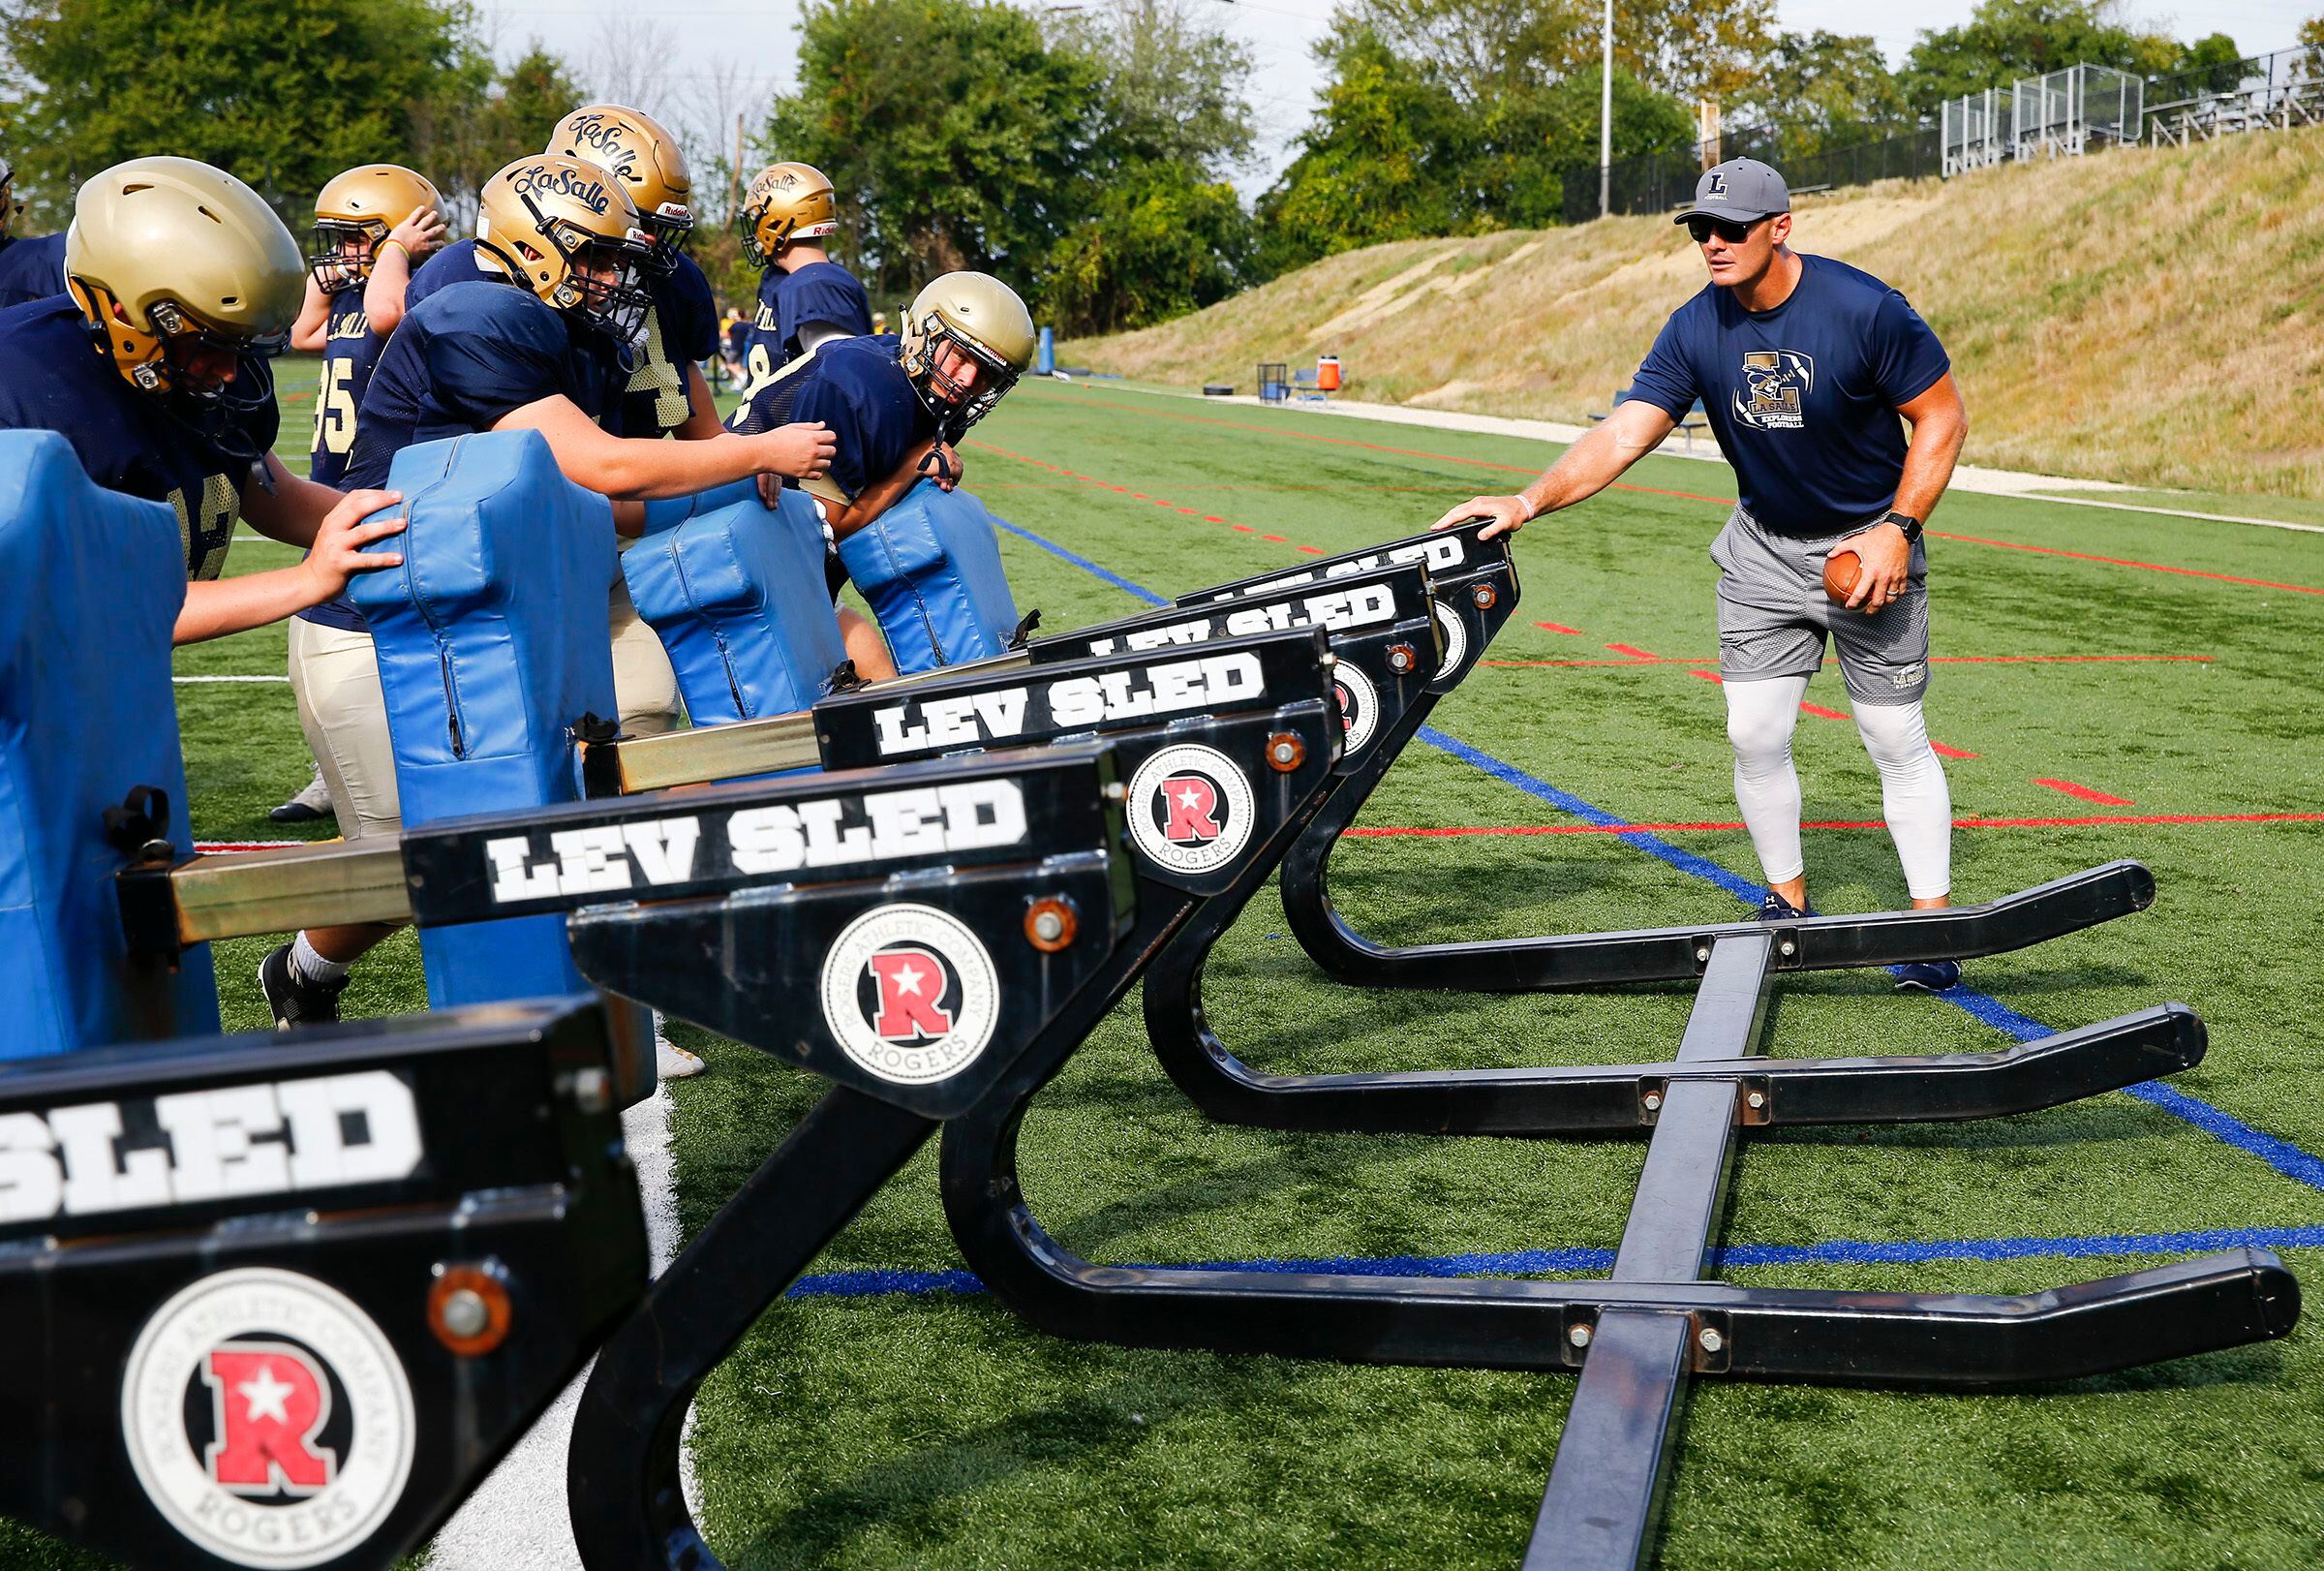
(1358, 705)
(1190, 809)
(268, 1418)
(910, 994)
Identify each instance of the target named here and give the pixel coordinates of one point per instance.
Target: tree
(2311, 32)
(2008, 38)
(1694, 49)
(1173, 88)
(1161, 245)
(1829, 90)
(476, 121)
(282, 93)
(951, 131)
(1384, 160)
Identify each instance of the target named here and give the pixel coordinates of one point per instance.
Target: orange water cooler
(1327, 373)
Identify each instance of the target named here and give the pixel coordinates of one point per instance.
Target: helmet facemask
(343, 252)
(671, 227)
(956, 408)
(158, 360)
(602, 283)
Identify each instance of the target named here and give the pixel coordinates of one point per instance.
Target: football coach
(1804, 367)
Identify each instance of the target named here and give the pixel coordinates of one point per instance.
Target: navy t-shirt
(596, 360)
(1803, 398)
(820, 291)
(31, 268)
(55, 378)
(854, 386)
(350, 350)
(460, 359)
(681, 329)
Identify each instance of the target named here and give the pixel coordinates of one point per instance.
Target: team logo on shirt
(268, 1418)
(1774, 394)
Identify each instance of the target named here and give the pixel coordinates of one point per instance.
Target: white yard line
(516, 1520)
(1966, 478)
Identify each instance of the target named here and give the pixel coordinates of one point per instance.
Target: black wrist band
(1905, 524)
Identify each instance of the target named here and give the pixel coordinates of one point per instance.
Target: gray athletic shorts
(1773, 616)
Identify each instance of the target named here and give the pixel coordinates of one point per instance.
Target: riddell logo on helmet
(539, 178)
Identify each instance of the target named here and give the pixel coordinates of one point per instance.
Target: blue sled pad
(930, 568)
(492, 642)
(86, 714)
(736, 596)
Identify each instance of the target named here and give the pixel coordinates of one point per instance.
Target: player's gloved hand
(337, 554)
(1886, 558)
(945, 464)
(802, 450)
(1509, 514)
(419, 233)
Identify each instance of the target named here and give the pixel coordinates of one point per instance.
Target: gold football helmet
(787, 202)
(168, 258)
(10, 207)
(983, 318)
(639, 152)
(566, 231)
(355, 213)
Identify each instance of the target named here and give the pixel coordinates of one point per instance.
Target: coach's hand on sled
(1509, 514)
(337, 554)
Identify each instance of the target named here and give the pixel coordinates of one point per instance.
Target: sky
(710, 41)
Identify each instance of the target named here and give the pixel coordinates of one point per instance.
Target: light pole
(1605, 118)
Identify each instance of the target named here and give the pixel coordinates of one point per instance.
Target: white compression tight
(1761, 717)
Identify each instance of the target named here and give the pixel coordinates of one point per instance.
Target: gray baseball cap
(1741, 189)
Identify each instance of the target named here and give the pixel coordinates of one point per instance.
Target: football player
(668, 391)
(805, 298)
(371, 226)
(562, 252)
(897, 406)
(180, 285)
(31, 267)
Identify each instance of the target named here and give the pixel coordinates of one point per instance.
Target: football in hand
(1840, 576)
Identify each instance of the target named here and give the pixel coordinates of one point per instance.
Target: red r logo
(911, 983)
(1193, 803)
(271, 1401)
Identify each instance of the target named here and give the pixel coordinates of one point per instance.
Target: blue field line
(884, 1282)
(2286, 1158)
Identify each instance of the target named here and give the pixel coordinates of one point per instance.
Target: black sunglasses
(1726, 228)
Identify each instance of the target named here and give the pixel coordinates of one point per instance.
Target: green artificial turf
(936, 1430)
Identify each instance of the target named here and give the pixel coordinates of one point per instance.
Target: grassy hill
(2151, 317)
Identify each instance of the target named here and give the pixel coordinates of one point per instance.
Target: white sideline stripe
(516, 1520)
(1974, 477)
(229, 679)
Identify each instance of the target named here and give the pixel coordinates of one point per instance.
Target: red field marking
(2082, 792)
(1634, 652)
(2126, 561)
(1821, 712)
(1943, 752)
(1709, 676)
(1212, 518)
(1555, 626)
(1312, 550)
(1276, 540)
(1371, 832)
(1242, 529)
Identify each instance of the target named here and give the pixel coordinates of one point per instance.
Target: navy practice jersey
(854, 386)
(820, 291)
(1803, 398)
(31, 268)
(349, 352)
(460, 359)
(598, 360)
(55, 378)
(682, 330)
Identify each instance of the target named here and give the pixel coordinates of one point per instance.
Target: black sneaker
(311, 804)
(1928, 976)
(295, 1001)
(1776, 908)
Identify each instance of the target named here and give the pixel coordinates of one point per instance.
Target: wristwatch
(1907, 524)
